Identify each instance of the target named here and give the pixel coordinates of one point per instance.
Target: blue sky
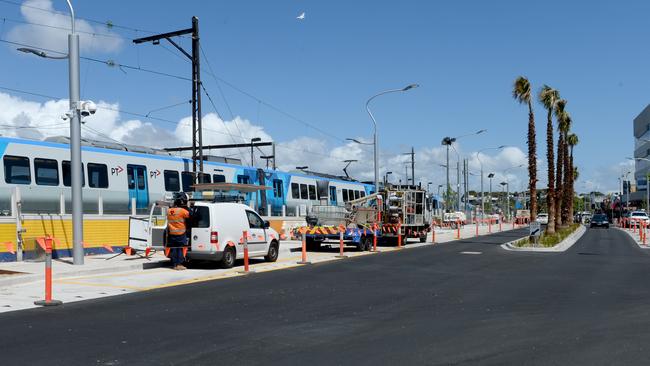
(464, 54)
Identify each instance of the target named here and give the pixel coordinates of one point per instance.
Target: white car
(542, 218)
(218, 230)
(636, 216)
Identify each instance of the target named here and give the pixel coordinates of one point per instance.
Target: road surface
(467, 302)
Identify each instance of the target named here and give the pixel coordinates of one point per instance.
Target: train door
(333, 200)
(138, 186)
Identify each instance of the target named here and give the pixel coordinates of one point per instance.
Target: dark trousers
(175, 243)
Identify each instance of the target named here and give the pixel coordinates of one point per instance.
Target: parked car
(638, 216)
(452, 218)
(599, 220)
(542, 218)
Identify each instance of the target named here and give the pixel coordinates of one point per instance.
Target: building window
(46, 171)
(17, 170)
(278, 188)
(295, 191)
(172, 183)
(97, 175)
(66, 172)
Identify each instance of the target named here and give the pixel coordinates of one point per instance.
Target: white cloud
(49, 34)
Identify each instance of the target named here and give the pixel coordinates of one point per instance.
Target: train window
(357, 195)
(141, 178)
(312, 193)
(172, 183)
(278, 188)
(204, 178)
(345, 195)
(295, 191)
(303, 192)
(17, 170)
(65, 171)
(243, 179)
(130, 178)
(97, 175)
(363, 194)
(333, 194)
(46, 171)
(218, 178)
(187, 179)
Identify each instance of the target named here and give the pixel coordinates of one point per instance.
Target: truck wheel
(229, 256)
(365, 244)
(312, 245)
(423, 239)
(272, 256)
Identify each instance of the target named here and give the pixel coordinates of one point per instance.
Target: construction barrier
(46, 244)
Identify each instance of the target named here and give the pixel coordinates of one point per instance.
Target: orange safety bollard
(374, 237)
(46, 243)
(634, 226)
(476, 223)
(399, 234)
(490, 226)
(500, 221)
(457, 229)
(433, 232)
(341, 255)
(304, 250)
(244, 242)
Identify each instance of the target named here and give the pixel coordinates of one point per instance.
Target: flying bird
(301, 16)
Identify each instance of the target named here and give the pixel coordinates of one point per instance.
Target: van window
(295, 191)
(345, 195)
(312, 193)
(17, 170)
(187, 178)
(218, 178)
(172, 183)
(278, 189)
(46, 171)
(204, 178)
(254, 221)
(303, 192)
(201, 216)
(66, 172)
(97, 175)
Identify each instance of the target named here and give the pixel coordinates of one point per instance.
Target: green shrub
(548, 241)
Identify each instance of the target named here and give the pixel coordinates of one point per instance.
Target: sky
(304, 83)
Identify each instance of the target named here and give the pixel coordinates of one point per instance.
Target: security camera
(87, 108)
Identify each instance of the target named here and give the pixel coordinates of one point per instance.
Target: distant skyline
(304, 82)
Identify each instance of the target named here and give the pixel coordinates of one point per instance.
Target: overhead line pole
(197, 126)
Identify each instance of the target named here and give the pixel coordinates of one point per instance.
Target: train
(115, 176)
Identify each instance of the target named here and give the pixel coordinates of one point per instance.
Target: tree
(572, 141)
(562, 117)
(567, 191)
(549, 97)
(521, 92)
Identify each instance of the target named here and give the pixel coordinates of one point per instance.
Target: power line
(61, 28)
(221, 119)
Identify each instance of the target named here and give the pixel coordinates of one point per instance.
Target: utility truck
(216, 228)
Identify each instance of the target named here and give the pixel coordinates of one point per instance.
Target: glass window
(333, 194)
(172, 183)
(278, 188)
(141, 178)
(17, 170)
(130, 177)
(303, 192)
(254, 221)
(363, 194)
(204, 178)
(312, 192)
(46, 171)
(345, 195)
(65, 171)
(243, 179)
(97, 175)
(201, 216)
(218, 178)
(295, 191)
(357, 195)
(187, 179)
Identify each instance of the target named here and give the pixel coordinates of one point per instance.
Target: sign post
(535, 231)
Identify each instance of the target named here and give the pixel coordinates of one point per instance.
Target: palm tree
(521, 91)
(548, 97)
(567, 192)
(561, 115)
(572, 141)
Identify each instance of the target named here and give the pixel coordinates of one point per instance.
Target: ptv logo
(117, 170)
(154, 173)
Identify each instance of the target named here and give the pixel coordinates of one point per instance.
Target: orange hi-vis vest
(176, 220)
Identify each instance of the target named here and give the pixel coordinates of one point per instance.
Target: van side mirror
(266, 224)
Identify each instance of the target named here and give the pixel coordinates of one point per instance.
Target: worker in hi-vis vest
(177, 217)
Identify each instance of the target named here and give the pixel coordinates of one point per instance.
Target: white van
(217, 231)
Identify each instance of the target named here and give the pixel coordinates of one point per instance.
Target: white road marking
(473, 253)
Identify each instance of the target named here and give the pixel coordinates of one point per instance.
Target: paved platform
(100, 277)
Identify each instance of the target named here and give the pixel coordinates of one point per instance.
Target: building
(641, 130)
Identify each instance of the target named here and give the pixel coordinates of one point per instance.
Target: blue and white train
(116, 174)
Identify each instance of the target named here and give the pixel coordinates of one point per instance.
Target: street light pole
(478, 157)
(75, 144)
(375, 142)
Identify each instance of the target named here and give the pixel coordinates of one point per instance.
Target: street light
(253, 141)
(505, 184)
(647, 186)
(386, 177)
(448, 141)
(376, 158)
(303, 168)
(75, 136)
(505, 175)
(490, 176)
(478, 157)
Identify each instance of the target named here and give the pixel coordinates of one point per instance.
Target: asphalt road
(430, 305)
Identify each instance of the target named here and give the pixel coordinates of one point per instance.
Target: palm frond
(521, 90)
(548, 97)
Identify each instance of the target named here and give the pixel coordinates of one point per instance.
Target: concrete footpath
(21, 283)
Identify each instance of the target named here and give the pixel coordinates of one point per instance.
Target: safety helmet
(180, 199)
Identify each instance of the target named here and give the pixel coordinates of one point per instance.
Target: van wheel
(228, 259)
(272, 256)
(423, 239)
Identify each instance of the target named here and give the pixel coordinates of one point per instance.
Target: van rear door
(200, 239)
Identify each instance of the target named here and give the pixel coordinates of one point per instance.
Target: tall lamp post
(376, 156)
(386, 177)
(505, 175)
(490, 176)
(478, 157)
(448, 141)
